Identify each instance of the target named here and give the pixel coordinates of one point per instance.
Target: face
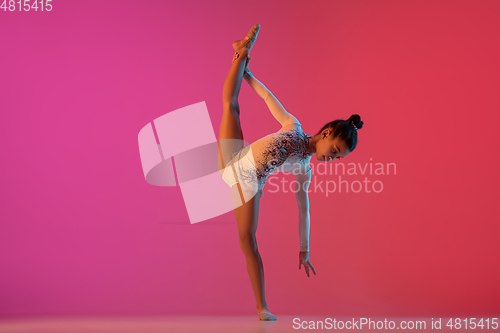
(328, 149)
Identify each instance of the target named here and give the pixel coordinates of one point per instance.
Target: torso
(283, 151)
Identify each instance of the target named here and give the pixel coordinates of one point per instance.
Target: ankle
(243, 52)
(262, 308)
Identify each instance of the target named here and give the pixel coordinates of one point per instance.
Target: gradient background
(82, 232)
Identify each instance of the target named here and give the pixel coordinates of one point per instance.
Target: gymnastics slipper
(249, 40)
(266, 315)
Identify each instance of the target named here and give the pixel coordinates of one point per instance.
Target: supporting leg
(247, 217)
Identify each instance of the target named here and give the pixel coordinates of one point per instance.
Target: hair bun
(356, 120)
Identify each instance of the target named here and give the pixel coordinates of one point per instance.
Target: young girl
(288, 150)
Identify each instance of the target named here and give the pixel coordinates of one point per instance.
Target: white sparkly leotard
(284, 151)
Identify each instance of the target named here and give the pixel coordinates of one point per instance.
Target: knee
(232, 106)
(248, 244)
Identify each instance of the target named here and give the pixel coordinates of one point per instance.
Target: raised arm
(277, 110)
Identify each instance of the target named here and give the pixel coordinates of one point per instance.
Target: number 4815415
(26, 5)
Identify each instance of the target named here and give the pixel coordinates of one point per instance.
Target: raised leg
(234, 78)
(230, 126)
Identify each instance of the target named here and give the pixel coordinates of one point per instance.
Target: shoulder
(293, 123)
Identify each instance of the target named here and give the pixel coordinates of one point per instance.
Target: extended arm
(304, 223)
(272, 102)
(302, 197)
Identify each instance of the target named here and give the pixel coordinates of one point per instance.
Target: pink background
(82, 232)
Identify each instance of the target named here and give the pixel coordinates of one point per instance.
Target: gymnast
(245, 169)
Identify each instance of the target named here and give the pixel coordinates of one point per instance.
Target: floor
(184, 324)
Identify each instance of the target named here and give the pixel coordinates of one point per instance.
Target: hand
(304, 260)
(235, 56)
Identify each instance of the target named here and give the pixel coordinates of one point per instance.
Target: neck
(312, 143)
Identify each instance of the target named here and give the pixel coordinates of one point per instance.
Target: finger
(313, 269)
(300, 264)
(307, 271)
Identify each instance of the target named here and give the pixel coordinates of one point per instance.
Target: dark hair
(345, 130)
